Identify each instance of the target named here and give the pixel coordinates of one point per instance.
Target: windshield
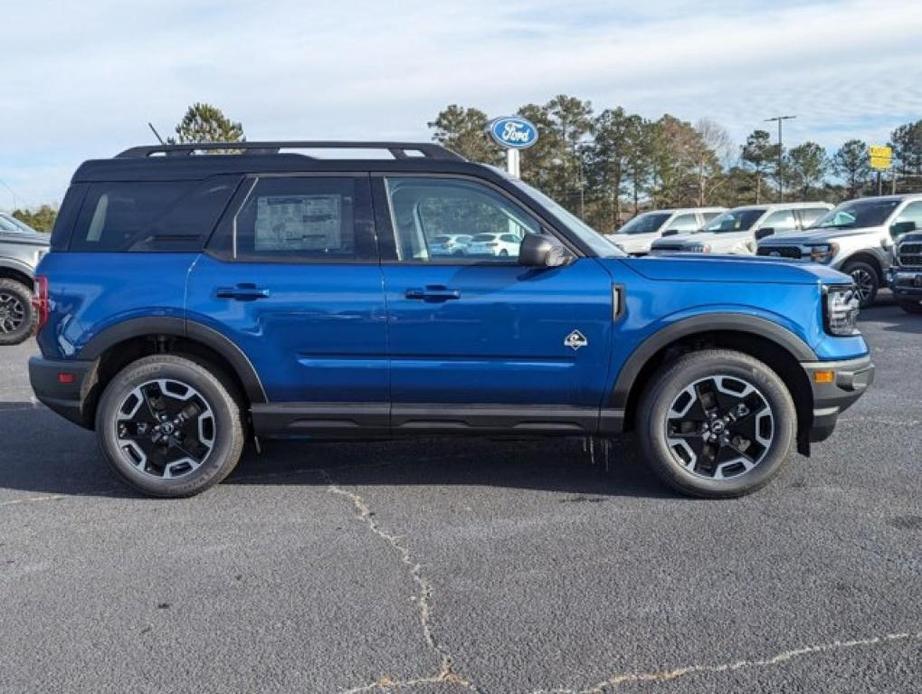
(735, 220)
(646, 223)
(586, 234)
(10, 223)
(857, 214)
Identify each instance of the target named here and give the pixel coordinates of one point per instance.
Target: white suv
(636, 236)
(500, 245)
(737, 231)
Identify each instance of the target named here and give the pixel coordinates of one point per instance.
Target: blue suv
(196, 296)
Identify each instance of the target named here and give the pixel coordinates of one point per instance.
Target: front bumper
(832, 397)
(906, 283)
(70, 398)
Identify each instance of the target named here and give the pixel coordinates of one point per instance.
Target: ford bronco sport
(21, 247)
(191, 300)
(856, 238)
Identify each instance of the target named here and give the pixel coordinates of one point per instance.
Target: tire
(210, 436)
(911, 306)
(17, 316)
(683, 388)
(866, 278)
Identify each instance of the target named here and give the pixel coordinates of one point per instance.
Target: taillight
(40, 300)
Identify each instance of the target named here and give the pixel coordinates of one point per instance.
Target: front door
(475, 339)
(292, 277)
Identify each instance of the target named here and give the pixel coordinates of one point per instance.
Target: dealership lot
(491, 566)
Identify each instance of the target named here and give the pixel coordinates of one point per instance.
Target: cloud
(88, 82)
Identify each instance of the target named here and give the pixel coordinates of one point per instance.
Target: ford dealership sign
(513, 132)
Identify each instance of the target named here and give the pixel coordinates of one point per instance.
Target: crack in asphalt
(446, 673)
(783, 657)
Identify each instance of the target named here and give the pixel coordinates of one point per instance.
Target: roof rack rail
(398, 150)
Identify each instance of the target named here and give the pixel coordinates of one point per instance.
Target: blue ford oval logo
(513, 132)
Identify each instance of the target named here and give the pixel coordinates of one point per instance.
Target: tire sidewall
(24, 331)
(690, 369)
(228, 437)
(849, 268)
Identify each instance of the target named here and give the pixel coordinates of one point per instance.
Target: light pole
(780, 120)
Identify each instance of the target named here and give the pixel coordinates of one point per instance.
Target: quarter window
(483, 225)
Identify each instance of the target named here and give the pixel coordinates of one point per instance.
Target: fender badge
(575, 340)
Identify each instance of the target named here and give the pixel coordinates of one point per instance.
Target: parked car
(856, 238)
(736, 231)
(190, 302)
(499, 245)
(21, 247)
(636, 235)
(450, 244)
(905, 277)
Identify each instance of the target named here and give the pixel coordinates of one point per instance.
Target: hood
(25, 238)
(732, 269)
(818, 236)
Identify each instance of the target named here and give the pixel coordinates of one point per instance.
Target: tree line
(608, 165)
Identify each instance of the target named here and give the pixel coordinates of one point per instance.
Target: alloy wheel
(720, 427)
(12, 313)
(165, 428)
(864, 283)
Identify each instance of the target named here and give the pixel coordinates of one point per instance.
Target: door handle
(433, 292)
(242, 292)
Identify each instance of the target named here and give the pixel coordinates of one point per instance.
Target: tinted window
(155, 216)
(858, 213)
(425, 209)
(735, 220)
(646, 223)
(298, 219)
(782, 220)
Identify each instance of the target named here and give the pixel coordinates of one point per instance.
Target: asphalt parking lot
(481, 565)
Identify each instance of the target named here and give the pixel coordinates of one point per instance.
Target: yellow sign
(881, 157)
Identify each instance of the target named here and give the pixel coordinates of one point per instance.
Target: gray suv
(21, 247)
(856, 237)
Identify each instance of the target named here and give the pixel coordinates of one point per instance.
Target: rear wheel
(866, 280)
(911, 306)
(716, 424)
(169, 426)
(17, 317)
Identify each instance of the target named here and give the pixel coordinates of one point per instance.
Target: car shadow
(892, 319)
(45, 455)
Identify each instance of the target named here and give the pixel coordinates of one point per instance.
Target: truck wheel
(17, 317)
(169, 426)
(716, 423)
(866, 279)
(911, 306)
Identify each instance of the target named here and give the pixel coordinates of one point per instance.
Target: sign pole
(513, 163)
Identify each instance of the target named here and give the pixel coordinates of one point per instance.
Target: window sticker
(298, 223)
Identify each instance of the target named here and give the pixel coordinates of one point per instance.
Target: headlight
(840, 310)
(698, 248)
(823, 252)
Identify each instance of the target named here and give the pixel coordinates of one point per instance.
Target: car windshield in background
(10, 223)
(857, 214)
(735, 220)
(588, 235)
(646, 223)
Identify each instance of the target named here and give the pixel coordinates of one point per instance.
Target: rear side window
(151, 216)
(300, 219)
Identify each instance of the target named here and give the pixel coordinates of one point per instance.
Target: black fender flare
(710, 322)
(180, 327)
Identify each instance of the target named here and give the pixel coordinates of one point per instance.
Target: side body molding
(712, 322)
(178, 327)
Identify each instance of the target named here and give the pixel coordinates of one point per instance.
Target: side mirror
(901, 228)
(670, 232)
(763, 232)
(538, 250)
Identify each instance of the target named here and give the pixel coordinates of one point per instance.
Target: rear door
(479, 341)
(292, 276)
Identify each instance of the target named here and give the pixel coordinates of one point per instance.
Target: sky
(81, 80)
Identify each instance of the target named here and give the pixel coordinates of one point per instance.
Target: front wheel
(911, 306)
(716, 424)
(866, 280)
(170, 426)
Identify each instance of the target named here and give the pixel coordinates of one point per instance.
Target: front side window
(434, 218)
(735, 220)
(911, 213)
(298, 219)
(857, 214)
(782, 220)
(646, 223)
(809, 215)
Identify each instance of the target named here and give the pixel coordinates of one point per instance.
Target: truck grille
(670, 248)
(782, 251)
(911, 254)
